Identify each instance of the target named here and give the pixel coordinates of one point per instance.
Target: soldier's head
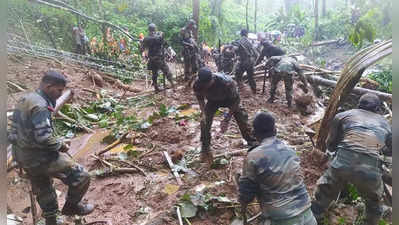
(53, 84)
(152, 27)
(369, 102)
(264, 125)
(191, 24)
(205, 76)
(244, 33)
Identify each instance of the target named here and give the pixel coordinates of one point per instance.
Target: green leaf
(128, 147)
(188, 210)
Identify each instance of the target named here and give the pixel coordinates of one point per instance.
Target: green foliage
(364, 29)
(353, 193)
(336, 24)
(219, 19)
(384, 79)
(341, 221)
(296, 16)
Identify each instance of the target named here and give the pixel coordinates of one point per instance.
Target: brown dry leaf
(170, 189)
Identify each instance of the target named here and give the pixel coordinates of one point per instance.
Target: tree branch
(70, 9)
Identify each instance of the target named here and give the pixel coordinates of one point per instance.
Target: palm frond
(350, 76)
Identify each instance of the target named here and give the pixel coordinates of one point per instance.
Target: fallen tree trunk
(360, 91)
(330, 83)
(314, 68)
(70, 9)
(324, 42)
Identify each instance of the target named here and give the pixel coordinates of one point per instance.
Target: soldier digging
(220, 91)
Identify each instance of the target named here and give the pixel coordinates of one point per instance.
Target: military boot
(80, 209)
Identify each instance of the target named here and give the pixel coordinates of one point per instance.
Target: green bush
(384, 79)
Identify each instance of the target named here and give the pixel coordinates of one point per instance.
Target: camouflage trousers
(240, 116)
(275, 78)
(190, 65)
(65, 169)
(249, 68)
(156, 64)
(304, 218)
(345, 169)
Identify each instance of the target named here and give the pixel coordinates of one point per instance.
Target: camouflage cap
(54, 77)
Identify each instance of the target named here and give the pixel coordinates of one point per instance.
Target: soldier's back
(283, 193)
(363, 131)
(154, 43)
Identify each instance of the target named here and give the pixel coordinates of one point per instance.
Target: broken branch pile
(118, 70)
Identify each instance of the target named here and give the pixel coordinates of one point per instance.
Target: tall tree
(196, 6)
(246, 15)
(316, 20)
(256, 10)
(324, 9)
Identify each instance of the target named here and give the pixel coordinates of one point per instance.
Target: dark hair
(244, 32)
(53, 78)
(204, 75)
(369, 102)
(152, 27)
(264, 125)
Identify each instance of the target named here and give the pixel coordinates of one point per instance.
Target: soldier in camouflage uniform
(228, 56)
(357, 136)
(156, 44)
(220, 91)
(41, 154)
(190, 50)
(272, 173)
(284, 68)
(247, 55)
(269, 50)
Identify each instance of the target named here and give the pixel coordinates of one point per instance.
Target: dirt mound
(135, 198)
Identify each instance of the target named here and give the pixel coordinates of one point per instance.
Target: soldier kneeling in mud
(284, 68)
(42, 156)
(358, 137)
(272, 173)
(220, 90)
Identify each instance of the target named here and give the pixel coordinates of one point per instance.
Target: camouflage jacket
(155, 43)
(245, 50)
(31, 131)
(188, 42)
(272, 173)
(223, 92)
(285, 66)
(359, 131)
(268, 51)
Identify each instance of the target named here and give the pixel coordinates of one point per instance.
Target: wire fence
(116, 69)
